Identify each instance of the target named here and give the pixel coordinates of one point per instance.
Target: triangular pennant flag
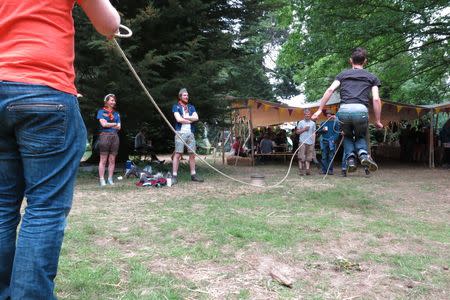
(266, 107)
(290, 110)
(382, 103)
(438, 110)
(399, 108)
(418, 109)
(258, 105)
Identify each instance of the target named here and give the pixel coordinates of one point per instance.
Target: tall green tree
(198, 44)
(407, 41)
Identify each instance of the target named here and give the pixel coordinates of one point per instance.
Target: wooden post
(223, 146)
(252, 139)
(368, 141)
(431, 149)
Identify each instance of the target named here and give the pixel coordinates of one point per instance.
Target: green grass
(130, 243)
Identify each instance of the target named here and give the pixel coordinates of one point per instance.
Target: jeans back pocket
(40, 126)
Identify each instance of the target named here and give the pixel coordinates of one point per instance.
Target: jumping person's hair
(183, 90)
(359, 55)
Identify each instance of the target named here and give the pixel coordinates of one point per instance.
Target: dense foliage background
(218, 48)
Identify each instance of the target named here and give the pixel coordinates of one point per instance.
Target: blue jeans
(328, 148)
(42, 139)
(354, 125)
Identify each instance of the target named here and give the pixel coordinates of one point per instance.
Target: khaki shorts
(306, 152)
(189, 139)
(108, 143)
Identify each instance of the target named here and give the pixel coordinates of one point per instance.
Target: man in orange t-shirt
(42, 136)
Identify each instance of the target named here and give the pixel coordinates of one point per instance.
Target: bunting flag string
(399, 108)
(290, 111)
(418, 109)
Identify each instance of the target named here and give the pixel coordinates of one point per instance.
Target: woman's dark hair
(359, 55)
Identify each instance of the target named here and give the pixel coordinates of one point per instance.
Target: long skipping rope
(133, 71)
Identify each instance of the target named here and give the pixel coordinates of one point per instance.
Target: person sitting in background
(144, 146)
(444, 136)
(237, 149)
(265, 147)
(294, 138)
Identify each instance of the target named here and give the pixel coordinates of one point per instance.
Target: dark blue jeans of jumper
(42, 139)
(354, 125)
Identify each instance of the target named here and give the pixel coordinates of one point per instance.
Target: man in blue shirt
(329, 133)
(185, 117)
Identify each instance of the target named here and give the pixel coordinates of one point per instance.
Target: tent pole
(252, 140)
(431, 149)
(223, 145)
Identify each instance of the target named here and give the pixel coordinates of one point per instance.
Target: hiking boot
(174, 180)
(300, 172)
(110, 181)
(308, 172)
(368, 162)
(196, 178)
(330, 173)
(351, 164)
(344, 173)
(102, 182)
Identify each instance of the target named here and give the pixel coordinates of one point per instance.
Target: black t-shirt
(356, 85)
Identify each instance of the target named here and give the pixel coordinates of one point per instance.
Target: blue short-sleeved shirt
(179, 109)
(103, 114)
(307, 136)
(332, 134)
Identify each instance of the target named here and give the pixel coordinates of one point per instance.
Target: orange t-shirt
(37, 43)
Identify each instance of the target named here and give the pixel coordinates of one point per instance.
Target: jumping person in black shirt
(355, 86)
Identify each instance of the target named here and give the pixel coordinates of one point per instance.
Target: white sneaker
(102, 182)
(110, 181)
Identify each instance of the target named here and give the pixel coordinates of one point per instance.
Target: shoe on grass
(344, 173)
(110, 181)
(196, 178)
(174, 180)
(102, 182)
